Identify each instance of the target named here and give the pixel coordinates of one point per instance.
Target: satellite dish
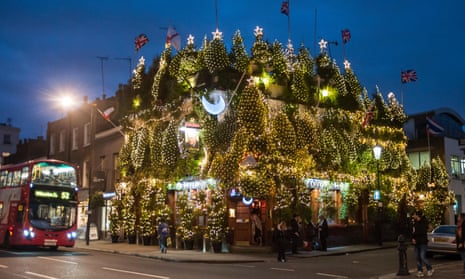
(218, 104)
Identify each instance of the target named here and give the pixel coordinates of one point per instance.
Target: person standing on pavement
(163, 234)
(296, 222)
(280, 240)
(460, 238)
(323, 232)
(420, 242)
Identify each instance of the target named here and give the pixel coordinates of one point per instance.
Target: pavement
(250, 254)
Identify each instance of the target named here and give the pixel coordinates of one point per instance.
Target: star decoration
(346, 64)
(217, 34)
(251, 81)
(289, 45)
(258, 31)
(190, 39)
(142, 60)
(323, 45)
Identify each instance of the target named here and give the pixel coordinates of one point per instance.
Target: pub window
(454, 166)
(418, 159)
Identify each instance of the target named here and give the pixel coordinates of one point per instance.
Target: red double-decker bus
(38, 204)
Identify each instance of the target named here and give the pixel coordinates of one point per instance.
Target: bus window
(16, 178)
(24, 175)
(3, 178)
(9, 181)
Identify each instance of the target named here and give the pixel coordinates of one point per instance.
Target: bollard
(403, 269)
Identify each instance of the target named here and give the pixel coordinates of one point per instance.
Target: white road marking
(3, 266)
(52, 259)
(244, 265)
(136, 273)
(283, 269)
(331, 275)
(40, 275)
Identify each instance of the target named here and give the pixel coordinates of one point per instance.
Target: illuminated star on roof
(251, 81)
(190, 39)
(217, 35)
(323, 45)
(258, 31)
(346, 64)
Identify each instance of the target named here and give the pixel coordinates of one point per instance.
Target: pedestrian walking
(257, 229)
(163, 234)
(323, 232)
(420, 242)
(296, 240)
(280, 240)
(460, 238)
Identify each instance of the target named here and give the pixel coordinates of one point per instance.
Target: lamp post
(377, 195)
(92, 147)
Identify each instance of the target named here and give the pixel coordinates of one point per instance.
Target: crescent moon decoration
(218, 104)
(247, 202)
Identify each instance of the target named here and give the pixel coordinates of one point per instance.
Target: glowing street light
(377, 194)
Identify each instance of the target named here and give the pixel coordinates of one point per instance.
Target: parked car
(442, 240)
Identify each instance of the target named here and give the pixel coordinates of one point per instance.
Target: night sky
(50, 48)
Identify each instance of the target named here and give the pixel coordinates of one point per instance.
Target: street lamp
(92, 147)
(377, 153)
(377, 195)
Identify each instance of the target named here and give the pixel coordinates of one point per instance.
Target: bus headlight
(71, 235)
(29, 234)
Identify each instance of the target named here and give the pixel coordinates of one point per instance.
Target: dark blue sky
(50, 47)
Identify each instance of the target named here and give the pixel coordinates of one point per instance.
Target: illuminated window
(418, 159)
(454, 166)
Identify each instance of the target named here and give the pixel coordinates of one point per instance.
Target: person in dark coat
(323, 232)
(296, 239)
(280, 240)
(420, 241)
(163, 234)
(460, 238)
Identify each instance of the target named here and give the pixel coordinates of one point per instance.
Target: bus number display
(52, 194)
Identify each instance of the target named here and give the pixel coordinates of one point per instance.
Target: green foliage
(217, 219)
(170, 148)
(308, 136)
(240, 57)
(251, 111)
(186, 228)
(216, 56)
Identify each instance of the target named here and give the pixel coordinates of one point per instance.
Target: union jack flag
(140, 41)
(285, 7)
(345, 35)
(408, 76)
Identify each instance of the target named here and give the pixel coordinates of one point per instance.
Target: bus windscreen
(49, 173)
